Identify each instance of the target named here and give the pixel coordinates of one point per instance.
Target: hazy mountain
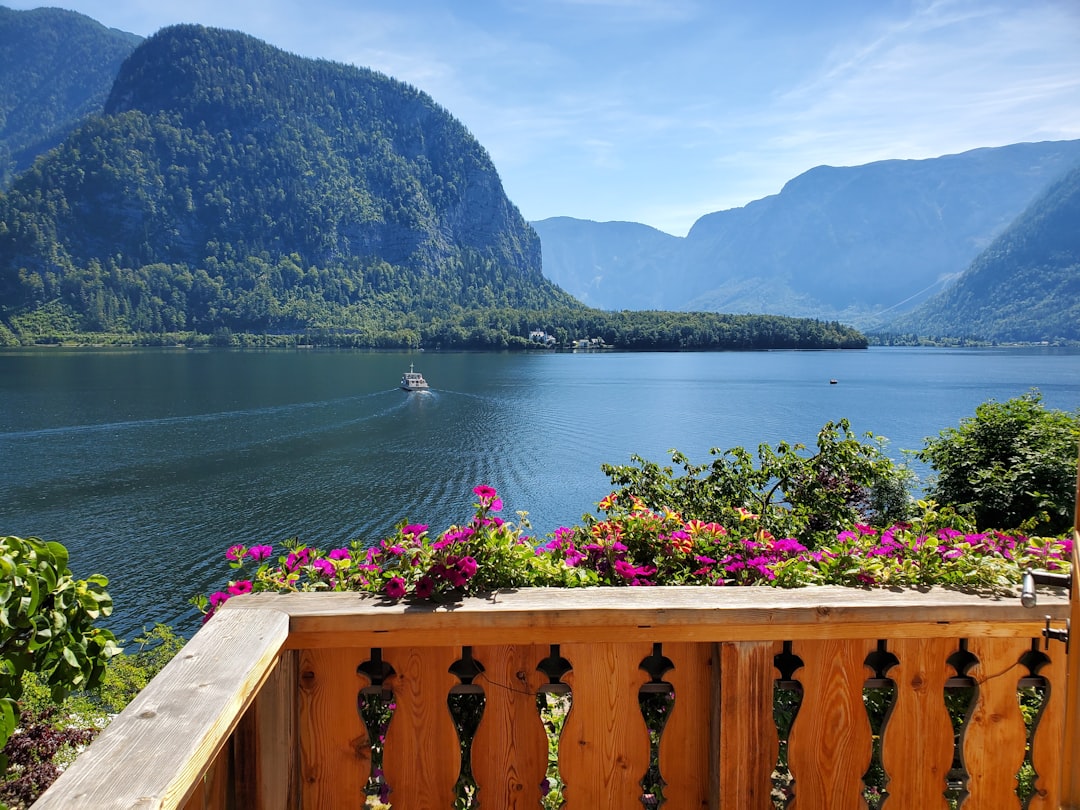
(611, 265)
(860, 244)
(230, 184)
(57, 68)
(1024, 287)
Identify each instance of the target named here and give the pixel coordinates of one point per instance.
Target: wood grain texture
(1046, 748)
(422, 757)
(748, 741)
(266, 745)
(917, 742)
(674, 613)
(509, 757)
(685, 745)
(156, 752)
(335, 754)
(604, 752)
(1070, 746)
(830, 742)
(994, 737)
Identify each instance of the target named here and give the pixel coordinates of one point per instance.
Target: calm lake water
(148, 464)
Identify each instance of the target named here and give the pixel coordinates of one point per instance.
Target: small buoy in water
(833, 382)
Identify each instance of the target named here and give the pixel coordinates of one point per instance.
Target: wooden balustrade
(260, 708)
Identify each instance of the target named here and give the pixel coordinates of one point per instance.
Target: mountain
(1024, 287)
(859, 244)
(595, 259)
(230, 184)
(57, 68)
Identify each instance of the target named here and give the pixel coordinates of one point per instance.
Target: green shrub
(1011, 466)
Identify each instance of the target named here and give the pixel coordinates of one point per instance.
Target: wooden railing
(260, 708)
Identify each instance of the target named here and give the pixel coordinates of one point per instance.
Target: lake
(148, 464)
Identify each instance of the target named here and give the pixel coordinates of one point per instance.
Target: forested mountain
(57, 68)
(861, 244)
(1024, 287)
(232, 185)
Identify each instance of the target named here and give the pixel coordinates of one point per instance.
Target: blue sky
(660, 111)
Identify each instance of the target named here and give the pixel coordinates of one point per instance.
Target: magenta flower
(218, 597)
(297, 559)
(467, 566)
(235, 553)
(340, 554)
(259, 553)
(414, 530)
(425, 586)
(484, 492)
(325, 568)
(395, 588)
(240, 588)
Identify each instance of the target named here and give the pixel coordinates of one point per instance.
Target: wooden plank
(155, 752)
(829, 749)
(422, 758)
(266, 745)
(509, 757)
(335, 754)
(605, 747)
(917, 743)
(674, 613)
(1070, 747)
(994, 738)
(685, 745)
(1046, 745)
(748, 741)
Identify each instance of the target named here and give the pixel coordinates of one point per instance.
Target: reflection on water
(147, 465)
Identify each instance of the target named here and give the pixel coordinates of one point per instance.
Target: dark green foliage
(1011, 465)
(1024, 287)
(232, 185)
(47, 625)
(809, 496)
(57, 68)
(232, 189)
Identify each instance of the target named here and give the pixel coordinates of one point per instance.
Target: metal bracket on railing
(1033, 578)
(1058, 633)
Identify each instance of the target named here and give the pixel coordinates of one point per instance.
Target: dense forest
(232, 189)
(56, 68)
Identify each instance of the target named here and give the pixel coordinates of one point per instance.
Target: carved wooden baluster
(787, 696)
(994, 737)
(686, 760)
(656, 700)
(830, 746)
(422, 756)
(510, 749)
(334, 747)
(605, 745)
(1047, 678)
(918, 718)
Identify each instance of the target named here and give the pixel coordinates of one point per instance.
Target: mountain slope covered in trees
(230, 184)
(57, 68)
(1024, 287)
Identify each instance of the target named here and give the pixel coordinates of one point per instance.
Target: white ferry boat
(413, 380)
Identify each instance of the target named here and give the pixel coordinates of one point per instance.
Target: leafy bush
(47, 625)
(794, 493)
(50, 734)
(1011, 465)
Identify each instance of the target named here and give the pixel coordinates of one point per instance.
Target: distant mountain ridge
(1024, 287)
(58, 67)
(861, 244)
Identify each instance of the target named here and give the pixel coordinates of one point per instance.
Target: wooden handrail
(259, 708)
(153, 754)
